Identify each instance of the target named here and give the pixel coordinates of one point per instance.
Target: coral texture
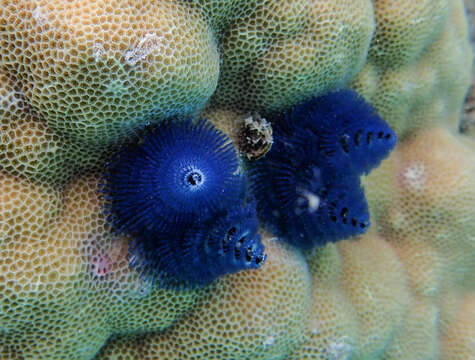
(78, 79)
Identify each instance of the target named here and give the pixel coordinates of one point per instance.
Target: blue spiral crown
(308, 185)
(173, 189)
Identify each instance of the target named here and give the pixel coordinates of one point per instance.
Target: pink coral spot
(101, 264)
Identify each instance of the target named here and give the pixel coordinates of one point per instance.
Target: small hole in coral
(354, 222)
(333, 218)
(380, 135)
(388, 136)
(363, 225)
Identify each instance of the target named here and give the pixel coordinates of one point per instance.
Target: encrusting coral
(94, 69)
(30, 148)
(78, 79)
(72, 272)
(242, 316)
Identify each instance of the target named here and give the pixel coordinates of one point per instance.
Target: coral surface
(80, 78)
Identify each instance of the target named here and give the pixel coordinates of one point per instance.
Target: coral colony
(308, 185)
(182, 197)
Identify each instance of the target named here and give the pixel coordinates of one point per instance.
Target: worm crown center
(194, 179)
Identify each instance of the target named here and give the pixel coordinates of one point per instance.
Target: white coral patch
(98, 52)
(146, 45)
(340, 350)
(269, 341)
(415, 176)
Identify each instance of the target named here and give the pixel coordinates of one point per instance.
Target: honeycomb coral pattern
(249, 315)
(27, 209)
(432, 181)
(358, 302)
(79, 78)
(404, 29)
(66, 284)
(31, 149)
(96, 70)
(333, 325)
(458, 342)
(280, 52)
(220, 13)
(425, 83)
(417, 337)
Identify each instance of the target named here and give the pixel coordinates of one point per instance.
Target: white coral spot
(269, 341)
(98, 51)
(415, 176)
(40, 16)
(340, 350)
(146, 45)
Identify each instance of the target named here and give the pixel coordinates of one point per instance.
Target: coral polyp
(308, 187)
(180, 193)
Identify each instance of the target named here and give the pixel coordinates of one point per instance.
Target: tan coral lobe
(97, 69)
(80, 78)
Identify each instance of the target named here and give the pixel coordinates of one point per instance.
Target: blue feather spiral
(308, 185)
(200, 253)
(181, 171)
(175, 192)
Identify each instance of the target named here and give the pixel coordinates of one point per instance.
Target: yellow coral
(318, 45)
(77, 77)
(404, 29)
(333, 324)
(374, 282)
(429, 183)
(73, 273)
(458, 341)
(97, 69)
(31, 149)
(428, 80)
(26, 209)
(249, 315)
(417, 337)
